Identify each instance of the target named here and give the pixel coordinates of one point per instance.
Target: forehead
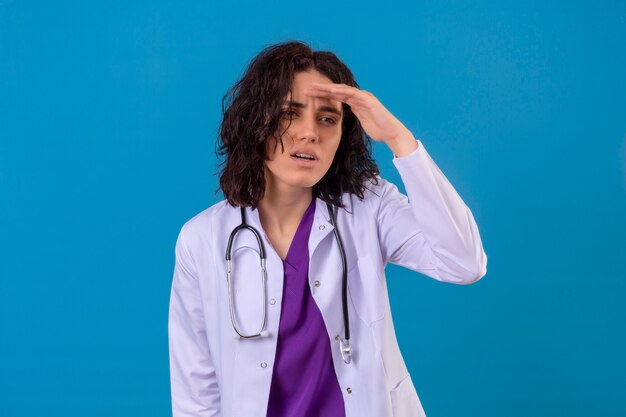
(305, 78)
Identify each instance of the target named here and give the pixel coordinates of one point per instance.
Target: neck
(281, 208)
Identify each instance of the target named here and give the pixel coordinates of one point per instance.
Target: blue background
(108, 117)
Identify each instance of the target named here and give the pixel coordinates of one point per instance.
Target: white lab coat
(215, 374)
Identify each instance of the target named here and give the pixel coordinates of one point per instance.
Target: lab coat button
(272, 301)
(322, 227)
(336, 337)
(317, 283)
(349, 390)
(263, 365)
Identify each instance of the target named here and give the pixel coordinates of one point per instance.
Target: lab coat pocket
(365, 289)
(404, 400)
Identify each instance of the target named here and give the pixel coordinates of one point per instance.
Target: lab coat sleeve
(194, 386)
(432, 231)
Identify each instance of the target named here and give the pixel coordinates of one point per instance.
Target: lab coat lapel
(325, 271)
(321, 226)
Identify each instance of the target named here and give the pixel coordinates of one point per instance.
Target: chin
(304, 183)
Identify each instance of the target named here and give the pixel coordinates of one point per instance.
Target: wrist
(402, 144)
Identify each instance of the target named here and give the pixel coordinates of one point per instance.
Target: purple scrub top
(304, 383)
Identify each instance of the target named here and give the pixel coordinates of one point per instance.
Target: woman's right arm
(194, 386)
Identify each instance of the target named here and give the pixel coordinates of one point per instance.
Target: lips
(303, 159)
(305, 155)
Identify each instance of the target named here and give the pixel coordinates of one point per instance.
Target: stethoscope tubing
(344, 343)
(344, 265)
(231, 303)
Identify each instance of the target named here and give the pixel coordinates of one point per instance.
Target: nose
(310, 129)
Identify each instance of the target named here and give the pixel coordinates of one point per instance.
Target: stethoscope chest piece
(345, 350)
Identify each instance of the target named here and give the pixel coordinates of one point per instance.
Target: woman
(314, 334)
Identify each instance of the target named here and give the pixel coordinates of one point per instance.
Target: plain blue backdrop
(108, 117)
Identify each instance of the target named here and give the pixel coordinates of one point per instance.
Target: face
(311, 139)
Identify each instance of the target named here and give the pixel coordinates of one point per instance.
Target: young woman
(279, 303)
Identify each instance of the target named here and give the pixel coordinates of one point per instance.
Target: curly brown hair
(252, 110)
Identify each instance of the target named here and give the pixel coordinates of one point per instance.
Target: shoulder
(375, 194)
(202, 224)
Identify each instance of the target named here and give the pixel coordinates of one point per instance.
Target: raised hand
(376, 120)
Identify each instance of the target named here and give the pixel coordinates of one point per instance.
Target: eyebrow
(328, 109)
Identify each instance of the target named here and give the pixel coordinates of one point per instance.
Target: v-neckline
(299, 230)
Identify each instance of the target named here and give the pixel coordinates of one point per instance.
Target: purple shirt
(304, 383)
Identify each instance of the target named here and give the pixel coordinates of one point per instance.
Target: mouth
(304, 159)
(304, 156)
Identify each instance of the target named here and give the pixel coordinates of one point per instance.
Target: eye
(330, 120)
(289, 113)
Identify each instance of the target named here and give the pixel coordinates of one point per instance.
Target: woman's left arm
(435, 233)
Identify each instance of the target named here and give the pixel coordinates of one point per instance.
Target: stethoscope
(344, 344)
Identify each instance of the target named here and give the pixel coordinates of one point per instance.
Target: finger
(315, 83)
(342, 94)
(356, 94)
(342, 97)
(333, 87)
(324, 92)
